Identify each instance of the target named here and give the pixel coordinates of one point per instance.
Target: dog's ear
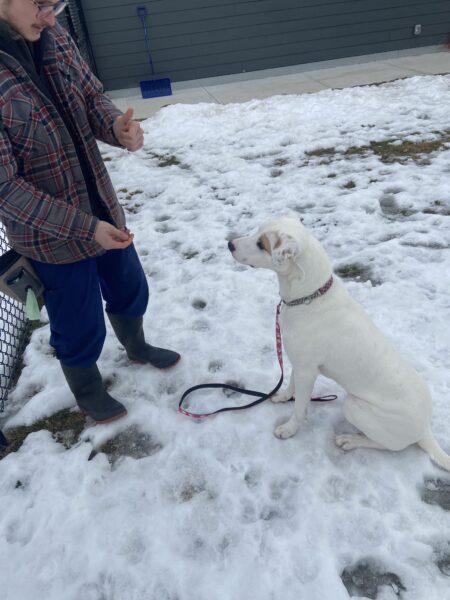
(285, 248)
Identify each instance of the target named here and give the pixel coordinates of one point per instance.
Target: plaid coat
(44, 203)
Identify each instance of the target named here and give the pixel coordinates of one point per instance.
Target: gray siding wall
(191, 39)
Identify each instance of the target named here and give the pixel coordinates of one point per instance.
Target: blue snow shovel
(152, 88)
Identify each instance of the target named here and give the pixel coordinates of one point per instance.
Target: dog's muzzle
(231, 246)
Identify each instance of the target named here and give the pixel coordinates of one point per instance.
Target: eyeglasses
(52, 9)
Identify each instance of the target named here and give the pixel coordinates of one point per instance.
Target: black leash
(260, 395)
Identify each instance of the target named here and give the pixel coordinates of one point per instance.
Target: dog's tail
(431, 447)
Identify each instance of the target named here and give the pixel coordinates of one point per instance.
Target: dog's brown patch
(266, 244)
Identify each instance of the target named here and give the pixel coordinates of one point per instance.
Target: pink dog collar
(308, 299)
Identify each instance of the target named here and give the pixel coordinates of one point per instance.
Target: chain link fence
(14, 336)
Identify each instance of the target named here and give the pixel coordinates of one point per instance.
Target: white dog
(326, 332)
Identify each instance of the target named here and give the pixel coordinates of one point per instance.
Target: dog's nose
(231, 246)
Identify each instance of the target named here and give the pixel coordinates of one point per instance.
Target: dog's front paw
(281, 397)
(285, 431)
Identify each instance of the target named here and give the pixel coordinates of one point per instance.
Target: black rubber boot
(87, 386)
(130, 333)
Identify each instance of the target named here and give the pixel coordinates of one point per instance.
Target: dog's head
(276, 245)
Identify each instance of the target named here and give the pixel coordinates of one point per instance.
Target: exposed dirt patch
(132, 442)
(199, 304)
(65, 426)
(443, 564)
(365, 578)
(437, 492)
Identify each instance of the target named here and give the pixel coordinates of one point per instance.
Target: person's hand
(111, 238)
(128, 132)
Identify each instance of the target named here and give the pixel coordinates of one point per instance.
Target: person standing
(57, 202)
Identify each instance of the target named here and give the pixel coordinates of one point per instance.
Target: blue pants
(73, 298)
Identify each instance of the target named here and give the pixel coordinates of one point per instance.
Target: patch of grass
(65, 426)
(133, 209)
(349, 185)
(190, 254)
(165, 160)
(129, 195)
(390, 151)
(280, 162)
(428, 245)
(321, 152)
(169, 161)
(406, 212)
(188, 491)
(356, 150)
(260, 155)
(276, 172)
(357, 272)
(352, 271)
(438, 208)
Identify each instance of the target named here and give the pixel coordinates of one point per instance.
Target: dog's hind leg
(349, 441)
(384, 429)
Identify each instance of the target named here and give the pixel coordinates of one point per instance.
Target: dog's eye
(260, 245)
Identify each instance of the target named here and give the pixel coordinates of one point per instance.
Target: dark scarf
(26, 53)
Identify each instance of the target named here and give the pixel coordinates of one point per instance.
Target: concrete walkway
(300, 79)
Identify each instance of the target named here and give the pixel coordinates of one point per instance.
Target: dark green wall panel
(203, 38)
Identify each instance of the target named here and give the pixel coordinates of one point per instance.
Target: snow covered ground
(221, 509)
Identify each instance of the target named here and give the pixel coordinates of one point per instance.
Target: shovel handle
(142, 14)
